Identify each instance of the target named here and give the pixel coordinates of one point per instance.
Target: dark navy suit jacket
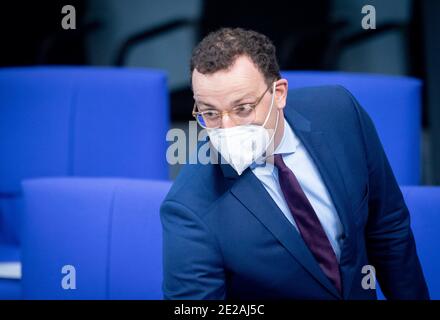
(225, 238)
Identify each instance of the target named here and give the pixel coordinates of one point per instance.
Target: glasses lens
(210, 119)
(243, 114)
(240, 115)
(201, 121)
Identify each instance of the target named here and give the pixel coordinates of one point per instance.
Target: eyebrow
(234, 103)
(207, 105)
(246, 96)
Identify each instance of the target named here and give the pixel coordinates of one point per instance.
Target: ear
(281, 88)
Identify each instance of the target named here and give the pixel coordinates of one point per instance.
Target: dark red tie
(307, 222)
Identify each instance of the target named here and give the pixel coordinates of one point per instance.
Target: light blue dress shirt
(298, 160)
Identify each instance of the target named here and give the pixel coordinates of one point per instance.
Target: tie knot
(279, 163)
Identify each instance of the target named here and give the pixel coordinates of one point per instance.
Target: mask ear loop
(271, 106)
(274, 130)
(276, 123)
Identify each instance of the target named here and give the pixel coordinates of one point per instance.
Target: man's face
(241, 84)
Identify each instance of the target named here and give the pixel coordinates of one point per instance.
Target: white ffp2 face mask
(241, 145)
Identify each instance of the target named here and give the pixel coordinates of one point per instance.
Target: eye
(210, 114)
(243, 110)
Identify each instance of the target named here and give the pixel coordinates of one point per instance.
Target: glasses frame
(195, 113)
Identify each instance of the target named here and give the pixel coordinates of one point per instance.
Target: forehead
(241, 76)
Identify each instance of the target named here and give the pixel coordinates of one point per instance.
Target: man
(306, 222)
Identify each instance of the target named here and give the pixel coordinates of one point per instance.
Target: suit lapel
(328, 167)
(247, 188)
(317, 145)
(252, 194)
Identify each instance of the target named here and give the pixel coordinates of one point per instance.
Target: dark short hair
(219, 50)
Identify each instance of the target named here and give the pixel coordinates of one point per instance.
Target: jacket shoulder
(326, 107)
(197, 186)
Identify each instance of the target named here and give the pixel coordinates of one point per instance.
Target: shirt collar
(288, 144)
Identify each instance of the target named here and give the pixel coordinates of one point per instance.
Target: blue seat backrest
(108, 230)
(394, 104)
(78, 121)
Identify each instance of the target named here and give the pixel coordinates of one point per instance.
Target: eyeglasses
(240, 115)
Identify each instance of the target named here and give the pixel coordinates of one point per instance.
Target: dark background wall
(309, 35)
